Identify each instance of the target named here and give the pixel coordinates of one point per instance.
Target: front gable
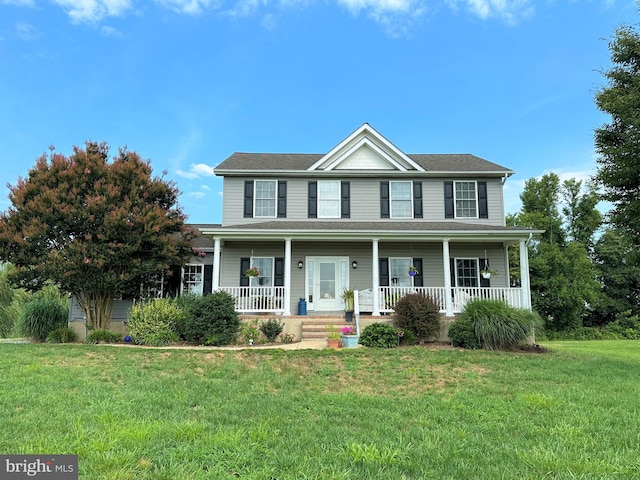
(365, 149)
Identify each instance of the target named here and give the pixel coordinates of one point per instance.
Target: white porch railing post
(375, 272)
(216, 264)
(287, 278)
(448, 304)
(524, 275)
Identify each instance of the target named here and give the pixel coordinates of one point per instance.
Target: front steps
(316, 328)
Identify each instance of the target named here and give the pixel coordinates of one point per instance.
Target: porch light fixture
(300, 264)
(354, 264)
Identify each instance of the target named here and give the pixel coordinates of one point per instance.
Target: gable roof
(364, 152)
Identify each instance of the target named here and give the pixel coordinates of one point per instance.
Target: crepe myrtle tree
(98, 229)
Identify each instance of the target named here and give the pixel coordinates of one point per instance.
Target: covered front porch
(317, 265)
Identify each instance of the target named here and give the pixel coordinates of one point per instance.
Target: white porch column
(287, 277)
(525, 285)
(216, 264)
(375, 272)
(448, 304)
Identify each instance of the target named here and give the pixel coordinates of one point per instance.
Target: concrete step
(317, 328)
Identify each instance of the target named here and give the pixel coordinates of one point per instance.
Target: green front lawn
(135, 413)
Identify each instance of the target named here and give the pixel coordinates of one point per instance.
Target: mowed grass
(413, 413)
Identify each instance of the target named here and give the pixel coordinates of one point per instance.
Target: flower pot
(348, 316)
(334, 343)
(349, 341)
(412, 273)
(486, 275)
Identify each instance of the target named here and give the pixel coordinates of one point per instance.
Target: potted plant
(347, 297)
(349, 337)
(333, 337)
(487, 273)
(252, 272)
(413, 271)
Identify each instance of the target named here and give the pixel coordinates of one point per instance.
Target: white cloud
(108, 31)
(196, 194)
(511, 11)
(92, 11)
(190, 7)
(196, 170)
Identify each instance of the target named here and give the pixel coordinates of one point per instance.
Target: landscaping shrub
(379, 335)
(104, 336)
(186, 303)
(407, 337)
(625, 325)
(154, 322)
(497, 325)
(462, 334)
(419, 314)
(249, 331)
(271, 329)
(62, 335)
(212, 319)
(41, 316)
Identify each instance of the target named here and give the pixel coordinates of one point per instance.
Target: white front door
(326, 279)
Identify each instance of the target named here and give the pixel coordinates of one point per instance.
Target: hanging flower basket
(487, 274)
(252, 272)
(413, 271)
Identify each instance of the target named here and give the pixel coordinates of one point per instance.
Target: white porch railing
(257, 299)
(388, 296)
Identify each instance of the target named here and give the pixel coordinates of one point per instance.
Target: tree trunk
(97, 308)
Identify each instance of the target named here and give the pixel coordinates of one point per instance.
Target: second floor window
(400, 196)
(329, 199)
(465, 200)
(265, 198)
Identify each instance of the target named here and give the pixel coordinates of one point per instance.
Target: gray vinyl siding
(364, 200)
(120, 311)
(495, 254)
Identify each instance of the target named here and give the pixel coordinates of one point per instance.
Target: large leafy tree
(98, 229)
(618, 142)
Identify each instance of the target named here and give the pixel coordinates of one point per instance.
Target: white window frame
(255, 281)
(274, 199)
(475, 279)
(474, 199)
(192, 276)
(391, 200)
(404, 279)
(336, 200)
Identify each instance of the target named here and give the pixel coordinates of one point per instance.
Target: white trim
(376, 276)
(287, 277)
(215, 284)
(448, 302)
(338, 199)
(455, 204)
(411, 210)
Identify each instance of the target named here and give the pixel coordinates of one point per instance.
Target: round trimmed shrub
(154, 323)
(271, 329)
(379, 335)
(462, 334)
(419, 314)
(42, 316)
(212, 319)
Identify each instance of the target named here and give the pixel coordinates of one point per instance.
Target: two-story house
(359, 217)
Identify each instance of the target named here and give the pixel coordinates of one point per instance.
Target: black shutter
(482, 263)
(245, 263)
(345, 202)
(248, 199)
(418, 279)
(452, 268)
(384, 199)
(417, 199)
(448, 200)
(383, 271)
(278, 274)
(207, 286)
(313, 200)
(282, 199)
(483, 207)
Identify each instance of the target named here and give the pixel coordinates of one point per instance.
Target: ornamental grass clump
(42, 316)
(499, 326)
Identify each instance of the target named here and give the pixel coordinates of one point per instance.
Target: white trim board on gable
(365, 149)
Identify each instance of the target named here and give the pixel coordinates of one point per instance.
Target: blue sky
(185, 83)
